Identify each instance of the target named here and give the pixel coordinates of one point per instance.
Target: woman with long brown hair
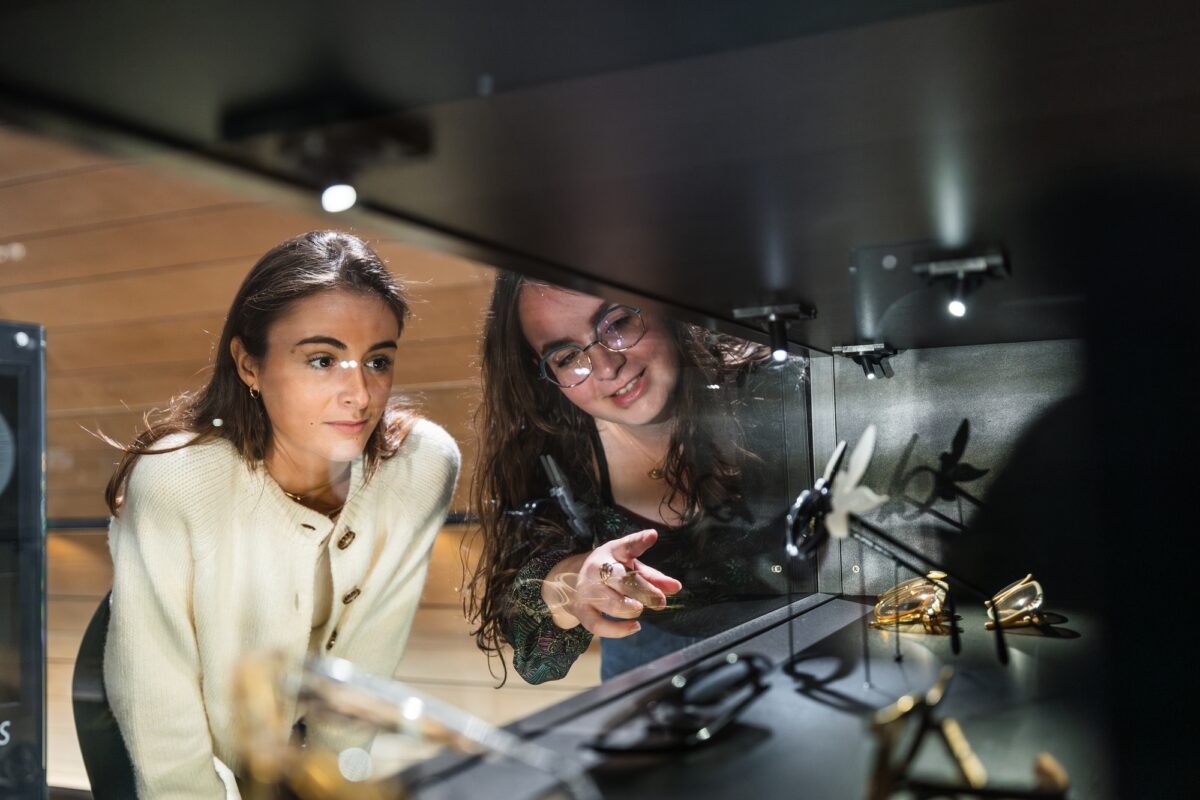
(289, 505)
(654, 423)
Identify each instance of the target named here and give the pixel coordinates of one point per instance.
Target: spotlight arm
(775, 319)
(873, 358)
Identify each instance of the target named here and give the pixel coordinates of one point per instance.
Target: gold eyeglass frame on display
(891, 609)
(1017, 604)
(895, 756)
(1012, 612)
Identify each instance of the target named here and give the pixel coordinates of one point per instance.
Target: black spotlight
(963, 272)
(873, 358)
(776, 319)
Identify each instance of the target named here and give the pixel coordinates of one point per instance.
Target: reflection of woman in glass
(639, 412)
(289, 505)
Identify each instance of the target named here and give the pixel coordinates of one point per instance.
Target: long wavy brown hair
(305, 265)
(522, 416)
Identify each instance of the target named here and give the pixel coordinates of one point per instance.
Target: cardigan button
(346, 539)
(332, 639)
(351, 596)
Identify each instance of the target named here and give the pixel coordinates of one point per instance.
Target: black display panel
(22, 563)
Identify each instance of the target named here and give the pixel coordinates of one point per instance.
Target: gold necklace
(301, 498)
(655, 472)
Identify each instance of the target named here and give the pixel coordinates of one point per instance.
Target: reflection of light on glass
(412, 709)
(949, 211)
(780, 356)
(355, 764)
(957, 307)
(14, 251)
(774, 249)
(339, 197)
(713, 386)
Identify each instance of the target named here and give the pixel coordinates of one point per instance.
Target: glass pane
(698, 436)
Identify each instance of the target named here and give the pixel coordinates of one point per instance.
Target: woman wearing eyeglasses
(638, 412)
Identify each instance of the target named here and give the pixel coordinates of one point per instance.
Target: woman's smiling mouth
(631, 391)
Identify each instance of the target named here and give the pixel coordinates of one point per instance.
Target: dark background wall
(1001, 390)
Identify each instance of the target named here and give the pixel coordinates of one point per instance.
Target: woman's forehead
(353, 315)
(548, 313)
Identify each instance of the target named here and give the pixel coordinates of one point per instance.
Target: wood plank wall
(131, 273)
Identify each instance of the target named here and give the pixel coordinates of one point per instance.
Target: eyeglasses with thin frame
(923, 600)
(691, 708)
(1017, 604)
(918, 600)
(569, 365)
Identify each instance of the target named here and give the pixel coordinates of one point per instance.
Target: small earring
(254, 393)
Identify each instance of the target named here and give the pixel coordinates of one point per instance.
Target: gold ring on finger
(607, 570)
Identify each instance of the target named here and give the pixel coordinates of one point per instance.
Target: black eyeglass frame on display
(691, 708)
(546, 371)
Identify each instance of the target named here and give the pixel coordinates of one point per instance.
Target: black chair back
(105, 756)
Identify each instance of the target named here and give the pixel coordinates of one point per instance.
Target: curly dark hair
(521, 417)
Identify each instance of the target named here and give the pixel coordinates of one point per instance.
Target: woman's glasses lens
(620, 329)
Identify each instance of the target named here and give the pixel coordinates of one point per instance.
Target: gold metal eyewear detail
(1017, 605)
(900, 730)
(919, 600)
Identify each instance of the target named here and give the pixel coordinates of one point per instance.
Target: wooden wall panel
(208, 289)
(238, 231)
(23, 157)
(186, 338)
(241, 231)
(99, 196)
(105, 387)
(121, 299)
(78, 564)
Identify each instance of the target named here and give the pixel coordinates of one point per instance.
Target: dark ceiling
(702, 157)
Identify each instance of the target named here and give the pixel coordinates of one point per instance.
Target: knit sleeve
(151, 662)
(542, 651)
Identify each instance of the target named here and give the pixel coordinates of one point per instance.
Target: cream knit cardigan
(212, 562)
